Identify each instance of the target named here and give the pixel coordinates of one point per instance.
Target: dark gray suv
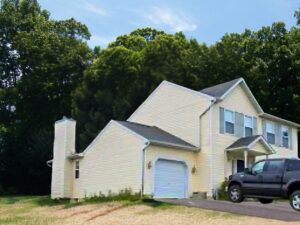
(267, 180)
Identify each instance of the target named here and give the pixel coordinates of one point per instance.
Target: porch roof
(249, 143)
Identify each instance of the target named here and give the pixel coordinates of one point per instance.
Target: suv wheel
(265, 200)
(235, 193)
(295, 200)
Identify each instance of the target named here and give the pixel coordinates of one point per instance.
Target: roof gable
(164, 84)
(220, 91)
(249, 142)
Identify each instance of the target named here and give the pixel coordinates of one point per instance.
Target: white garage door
(170, 179)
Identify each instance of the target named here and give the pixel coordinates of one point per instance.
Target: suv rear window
(274, 166)
(293, 165)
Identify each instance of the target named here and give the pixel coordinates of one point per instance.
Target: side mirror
(247, 170)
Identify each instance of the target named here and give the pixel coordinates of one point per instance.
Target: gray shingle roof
(218, 90)
(156, 135)
(245, 141)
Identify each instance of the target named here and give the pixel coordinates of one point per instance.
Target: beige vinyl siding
(112, 163)
(282, 152)
(159, 152)
(175, 110)
(259, 147)
(236, 101)
(204, 156)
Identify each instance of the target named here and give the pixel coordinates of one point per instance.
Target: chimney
(62, 166)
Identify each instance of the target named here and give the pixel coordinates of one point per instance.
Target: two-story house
(177, 143)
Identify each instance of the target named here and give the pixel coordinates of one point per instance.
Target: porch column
(245, 159)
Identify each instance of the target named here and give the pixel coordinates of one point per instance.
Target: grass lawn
(41, 210)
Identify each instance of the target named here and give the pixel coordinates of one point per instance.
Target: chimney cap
(65, 119)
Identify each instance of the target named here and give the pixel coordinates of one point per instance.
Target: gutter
(276, 118)
(178, 146)
(143, 167)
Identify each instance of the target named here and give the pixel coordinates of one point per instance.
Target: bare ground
(120, 213)
(116, 214)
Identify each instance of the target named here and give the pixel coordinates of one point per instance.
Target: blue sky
(205, 20)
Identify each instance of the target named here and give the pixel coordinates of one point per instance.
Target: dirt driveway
(278, 211)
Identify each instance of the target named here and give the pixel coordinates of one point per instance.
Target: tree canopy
(47, 70)
(41, 62)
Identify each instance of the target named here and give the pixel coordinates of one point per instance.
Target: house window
(76, 169)
(270, 129)
(229, 122)
(248, 126)
(285, 136)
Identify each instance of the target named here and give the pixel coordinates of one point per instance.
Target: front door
(240, 166)
(253, 181)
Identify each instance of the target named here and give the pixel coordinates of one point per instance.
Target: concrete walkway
(277, 211)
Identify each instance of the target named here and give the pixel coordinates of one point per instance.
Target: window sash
(285, 142)
(229, 116)
(285, 136)
(76, 169)
(248, 121)
(229, 127)
(271, 138)
(270, 128)
(248, 131)
(229, 121)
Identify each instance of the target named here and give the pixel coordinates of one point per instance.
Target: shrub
(222, 193)
(123, 195)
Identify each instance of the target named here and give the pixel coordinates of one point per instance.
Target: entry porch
(243, 153)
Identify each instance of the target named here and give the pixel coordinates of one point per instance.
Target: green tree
(42, 61)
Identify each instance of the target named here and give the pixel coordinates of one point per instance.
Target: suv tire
(265, 200)
(295, 200)
(235, 193)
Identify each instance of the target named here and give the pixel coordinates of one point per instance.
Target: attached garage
(170, 179)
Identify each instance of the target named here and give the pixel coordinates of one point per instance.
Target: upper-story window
(285, 136)
(248, 126)
(270, 129)
(77, 169)
(229, 122)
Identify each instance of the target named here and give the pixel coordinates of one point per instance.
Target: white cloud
(176, 21)
(94, 9)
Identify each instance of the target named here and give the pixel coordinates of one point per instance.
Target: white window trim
(281, 136)
(247, 126)
(233, 112)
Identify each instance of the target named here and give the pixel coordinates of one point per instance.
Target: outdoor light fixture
(149, 165)
(194, 169)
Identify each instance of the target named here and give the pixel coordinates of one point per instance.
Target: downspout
(211, 150)
(143, 166)
(209, 108)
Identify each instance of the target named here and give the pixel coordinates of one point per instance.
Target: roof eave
(191, 148)
(272, 117)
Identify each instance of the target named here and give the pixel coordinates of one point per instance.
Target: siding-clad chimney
(62, 167)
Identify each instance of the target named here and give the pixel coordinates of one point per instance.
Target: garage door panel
(170, 179)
